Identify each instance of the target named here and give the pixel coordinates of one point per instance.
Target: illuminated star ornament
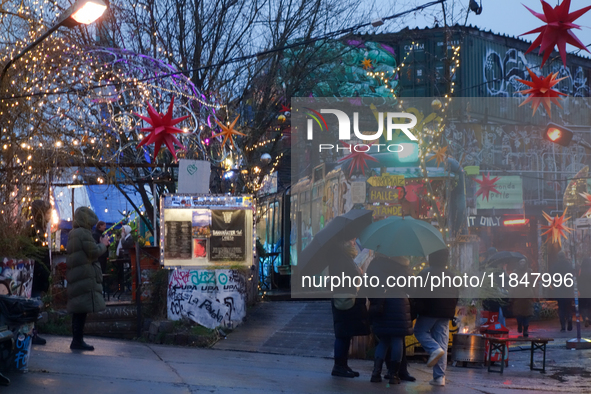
(162, 130)
(439, 155)
(366, 63)
(487, 186)
(228, 131)
(358, 159)
(556, 228)
(557, 30)
(541, 91)
(587, 197)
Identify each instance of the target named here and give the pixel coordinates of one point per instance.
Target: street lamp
(563, 136)
(81, 12)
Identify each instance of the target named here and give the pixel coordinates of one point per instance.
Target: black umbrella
(504, 257)
(317, 255)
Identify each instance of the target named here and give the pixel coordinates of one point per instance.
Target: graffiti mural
(16, 277)
(515, 149)
(22, 343)
(210, 298)
(501, 71)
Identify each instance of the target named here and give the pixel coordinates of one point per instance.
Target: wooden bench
(501, 344)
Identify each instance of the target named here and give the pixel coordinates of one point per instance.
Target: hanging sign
(485, 221)
(509, 196)
(384, 211)
(194, 176)
(385, 194)
(386, 180)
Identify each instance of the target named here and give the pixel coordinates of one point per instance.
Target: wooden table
(501, 344)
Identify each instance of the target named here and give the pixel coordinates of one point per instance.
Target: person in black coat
(97, 234)
(390, 316)
(349, 312)
(585, 290)
(40, 217)
(563, 294)
(432, 325)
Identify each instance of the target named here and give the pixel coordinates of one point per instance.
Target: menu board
(178, 240)
(227, 241)
(206, 230)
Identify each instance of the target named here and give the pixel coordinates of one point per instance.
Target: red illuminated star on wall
(358, 159)
(557, 30)
(487, 186)
(541, 91)
(162, 130)
(556, 228)
(587, 197)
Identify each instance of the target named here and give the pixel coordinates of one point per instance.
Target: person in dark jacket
(40, 217)
(563, 294)
(84, 275)
(97, 234)
(390, 316)
(350, 318)
(432, 325)
(585, 290)
(523, 299)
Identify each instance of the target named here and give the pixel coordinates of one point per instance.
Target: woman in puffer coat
(84, 274)
(390, 316)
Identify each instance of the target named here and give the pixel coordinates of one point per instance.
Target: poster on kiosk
(208, 243)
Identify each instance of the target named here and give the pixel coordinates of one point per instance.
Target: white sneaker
(440, 381)
(434, 357)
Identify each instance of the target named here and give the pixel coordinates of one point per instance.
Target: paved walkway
(271, 353)
(118, 366)
(285, 327)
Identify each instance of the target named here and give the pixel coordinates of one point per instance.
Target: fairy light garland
(384, 81)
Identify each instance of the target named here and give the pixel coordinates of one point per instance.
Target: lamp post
(81, 12)
(563, 136)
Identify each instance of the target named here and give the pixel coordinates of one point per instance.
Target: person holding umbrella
(432, 325)
(390, 316)
(391, 237)
(349, 312)
(331, 248)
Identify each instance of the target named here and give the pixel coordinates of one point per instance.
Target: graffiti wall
(211, 298)
(517, 149)
(501, 71)
(16, 277)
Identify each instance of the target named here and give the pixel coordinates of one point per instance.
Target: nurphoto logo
(394, 121)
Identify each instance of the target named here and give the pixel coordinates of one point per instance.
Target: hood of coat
(84, 217)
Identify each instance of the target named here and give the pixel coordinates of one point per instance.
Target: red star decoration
(541, 91)
(162, 130)
(487, 186)
(587, 197)
(358, 159)
(556, 228)
(284, 108)
(557, 30)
